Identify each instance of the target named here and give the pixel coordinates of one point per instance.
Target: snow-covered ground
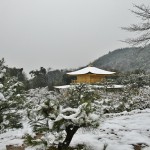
(118, 131)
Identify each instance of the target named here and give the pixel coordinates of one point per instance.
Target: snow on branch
(143, 12)
(72, 116)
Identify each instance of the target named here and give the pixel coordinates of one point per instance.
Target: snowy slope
(125, 59)
(119, 131)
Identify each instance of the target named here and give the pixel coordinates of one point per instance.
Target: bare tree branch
(142, 11)
(137, 28)
(143, 28)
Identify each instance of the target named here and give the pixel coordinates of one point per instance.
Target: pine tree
(59, 118)
(39, 78)
(11, 100)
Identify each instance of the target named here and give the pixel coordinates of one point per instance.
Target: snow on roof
(62, 87)
(94, 86)
(93, 70)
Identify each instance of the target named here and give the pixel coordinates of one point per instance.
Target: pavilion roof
(93, 70)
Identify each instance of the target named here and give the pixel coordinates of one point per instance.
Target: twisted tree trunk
(70, 130)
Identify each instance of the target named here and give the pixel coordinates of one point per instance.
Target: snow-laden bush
(11, 100)
(128, 99)
(58, 118)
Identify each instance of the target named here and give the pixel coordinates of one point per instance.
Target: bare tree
(143, 28)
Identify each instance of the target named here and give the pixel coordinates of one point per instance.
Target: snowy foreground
(119, 131)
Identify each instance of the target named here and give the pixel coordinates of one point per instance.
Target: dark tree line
(50, 78)
(39, 78)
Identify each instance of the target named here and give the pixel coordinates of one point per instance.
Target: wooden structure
(90, 75)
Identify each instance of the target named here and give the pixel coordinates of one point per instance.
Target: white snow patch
(1, 96)
(1, 86)
(118, 131)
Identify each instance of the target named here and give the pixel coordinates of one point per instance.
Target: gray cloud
(61, 33)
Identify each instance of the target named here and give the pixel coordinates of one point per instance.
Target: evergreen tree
(39, 78)
(59, 118)
(11, 100)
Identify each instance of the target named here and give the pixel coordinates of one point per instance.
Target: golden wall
(89, 78)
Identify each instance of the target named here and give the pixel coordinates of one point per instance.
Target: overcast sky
(62, 33)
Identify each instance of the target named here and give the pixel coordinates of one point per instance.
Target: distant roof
(114, 86)
(62, 87)
(93, 70)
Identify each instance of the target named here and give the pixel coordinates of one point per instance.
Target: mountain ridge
(125, 59)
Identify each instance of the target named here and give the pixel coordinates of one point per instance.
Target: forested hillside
(54, 119)
(126, 59)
